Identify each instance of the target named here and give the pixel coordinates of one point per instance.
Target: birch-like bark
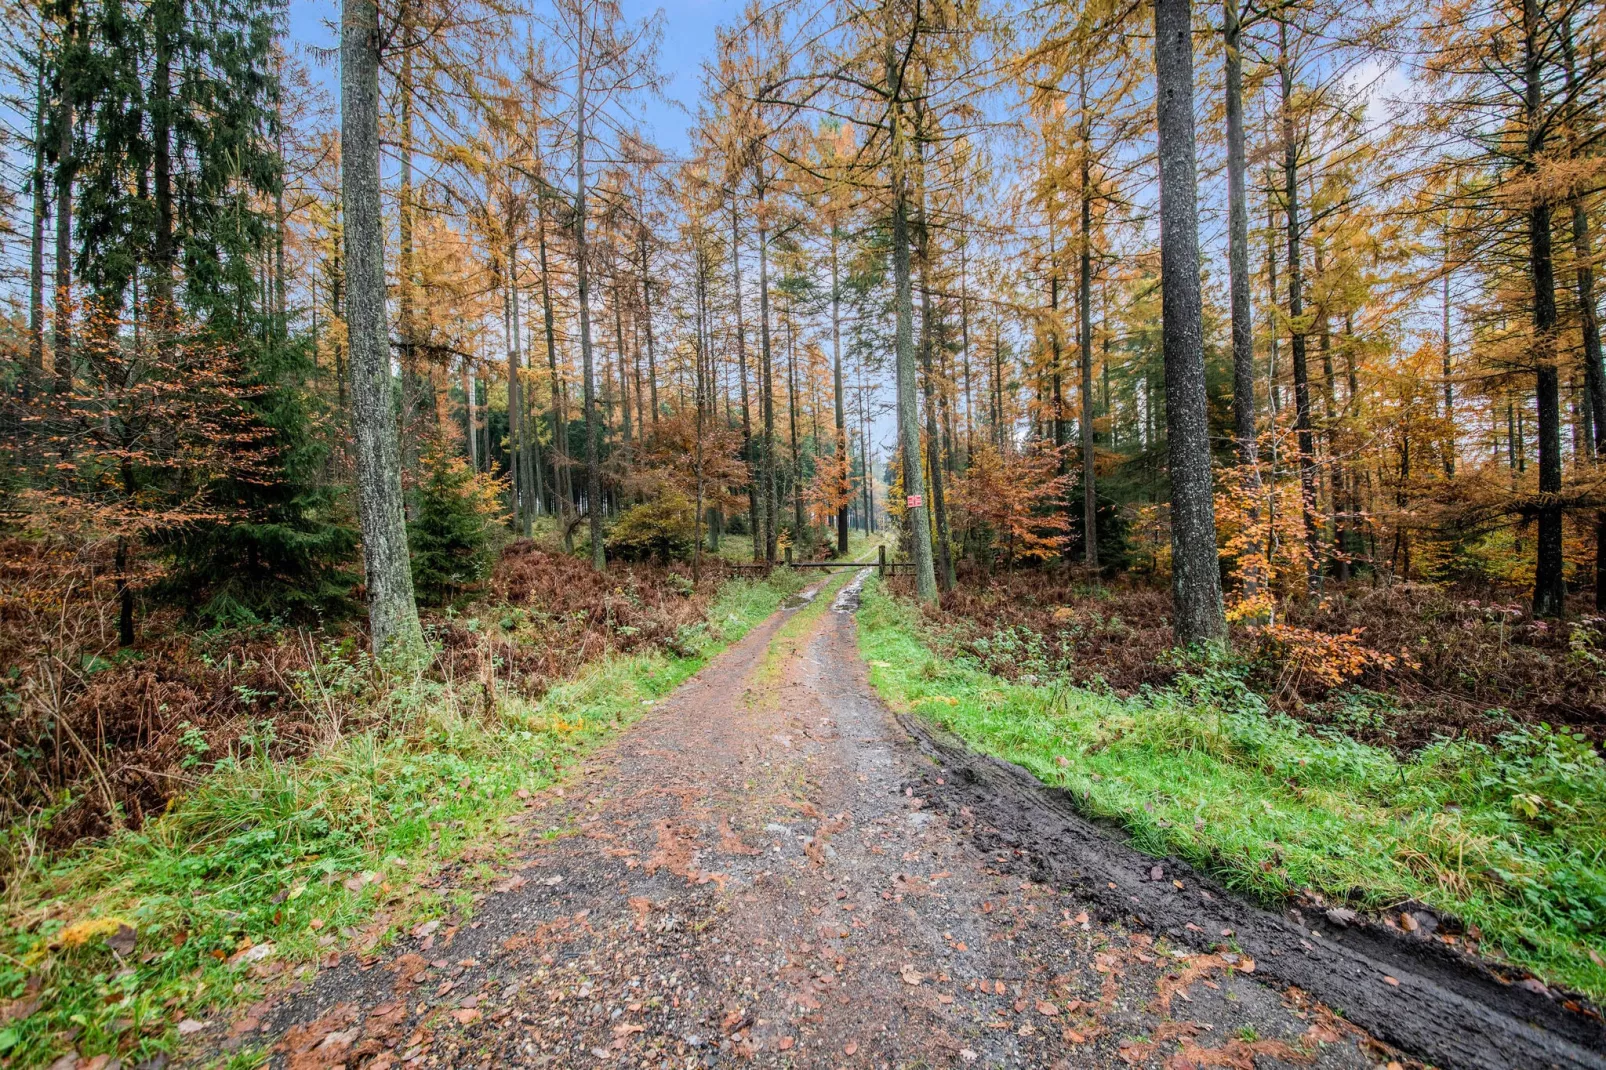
(392, 611)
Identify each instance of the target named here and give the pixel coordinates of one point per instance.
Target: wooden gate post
(788, 555)
(881, 553)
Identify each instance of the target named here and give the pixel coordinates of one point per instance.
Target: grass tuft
(108, 948)
(1507, 837)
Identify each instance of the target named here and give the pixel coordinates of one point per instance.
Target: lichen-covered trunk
(392, 612)
(1195, 572)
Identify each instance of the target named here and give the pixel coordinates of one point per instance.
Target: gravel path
(753, 875)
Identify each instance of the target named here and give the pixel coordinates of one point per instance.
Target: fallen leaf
(254, 953)
(850, 1047)
(467, 1015)
(785, 1043)
(1071, 1036)
(910, 975)
(1395, 981)
(1046, 1008)
(122, 939)
(189, 1026)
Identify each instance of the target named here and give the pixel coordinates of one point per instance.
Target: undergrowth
(1505, 838)
(268, 864)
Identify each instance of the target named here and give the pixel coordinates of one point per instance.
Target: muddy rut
(767, 870)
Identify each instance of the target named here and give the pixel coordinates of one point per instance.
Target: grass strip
(108, 949)
(1509, 838)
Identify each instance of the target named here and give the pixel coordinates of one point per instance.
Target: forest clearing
(570, 533)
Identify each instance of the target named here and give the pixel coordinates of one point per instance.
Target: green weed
(324, 852)
(1509, 837)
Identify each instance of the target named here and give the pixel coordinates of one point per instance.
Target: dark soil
(754, 874)
(1412, 992)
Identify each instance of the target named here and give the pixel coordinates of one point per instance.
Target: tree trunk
(1243, 331)
(36, 243)
(66, 166)
(599, 560)
(755, 503)
(842, 459)
(767, 486)
(392, 612)
(1084, 303)
(563, 490)
(943, 564)
(1549, 586)
(1304, 436)
(1195, 573)
(800, 533)
(914, 484)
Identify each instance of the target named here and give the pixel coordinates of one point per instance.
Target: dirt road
(755, 874)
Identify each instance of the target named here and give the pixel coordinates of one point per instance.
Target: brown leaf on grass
(467, 1015)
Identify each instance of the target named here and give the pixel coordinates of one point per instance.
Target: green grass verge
(738, 549)
(1510, 838)
(289, 854)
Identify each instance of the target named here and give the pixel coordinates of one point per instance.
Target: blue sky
(689, 27)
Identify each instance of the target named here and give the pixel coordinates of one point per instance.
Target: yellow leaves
(83, 932)
(1019, 496)
(1327, 658)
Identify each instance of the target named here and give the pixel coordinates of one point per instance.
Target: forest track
(755, 873)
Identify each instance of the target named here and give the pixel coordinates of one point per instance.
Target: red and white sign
(915, 501)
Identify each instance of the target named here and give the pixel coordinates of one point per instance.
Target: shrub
(453, 536)
(660, 529)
